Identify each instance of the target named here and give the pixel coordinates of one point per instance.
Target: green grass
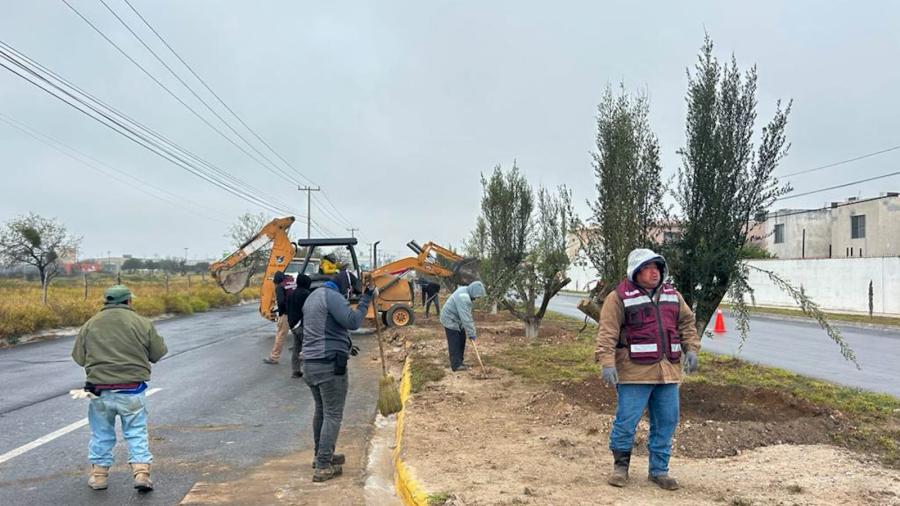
(726, 370)
(438, 498)
(425, 369)
(551, 362)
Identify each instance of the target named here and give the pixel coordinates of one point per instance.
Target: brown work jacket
(612, 319)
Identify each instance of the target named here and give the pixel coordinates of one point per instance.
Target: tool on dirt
(388, 392)
(478, 355)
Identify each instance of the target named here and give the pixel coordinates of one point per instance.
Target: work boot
(327, 473)
(270, 361)
(619, 476)
(99, 479)
(337, 458)
(665, 482)
(296, 374)
(463, 367)
(141, 474)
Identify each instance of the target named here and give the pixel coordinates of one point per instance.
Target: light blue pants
(661, 402)
(132, 411)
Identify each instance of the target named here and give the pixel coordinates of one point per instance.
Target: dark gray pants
(296, 363)
(456, 345)
(330, 394)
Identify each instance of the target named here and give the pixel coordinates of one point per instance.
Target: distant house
(853, 228)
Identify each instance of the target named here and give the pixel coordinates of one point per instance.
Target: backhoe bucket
(233, 281)
(466, 271)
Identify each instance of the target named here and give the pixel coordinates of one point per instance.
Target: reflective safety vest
(651, 329)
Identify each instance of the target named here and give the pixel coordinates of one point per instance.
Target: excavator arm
(233, 279)
(434, 260)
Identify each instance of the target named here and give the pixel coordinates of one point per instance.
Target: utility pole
(308, 189)
(351, 230)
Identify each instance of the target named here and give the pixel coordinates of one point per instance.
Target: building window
(779, 233)
(858, 227)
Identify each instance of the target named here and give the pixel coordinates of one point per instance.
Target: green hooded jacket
(118, 345)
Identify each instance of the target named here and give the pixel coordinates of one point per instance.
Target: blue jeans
(661, 401)
(132, 411)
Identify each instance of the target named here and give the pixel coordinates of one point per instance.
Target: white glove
(80, 393)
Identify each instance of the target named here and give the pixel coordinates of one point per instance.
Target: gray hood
(476, 290)
(642, 256)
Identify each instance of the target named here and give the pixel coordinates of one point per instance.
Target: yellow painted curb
(409, 490)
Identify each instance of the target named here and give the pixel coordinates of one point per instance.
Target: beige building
(854, 228)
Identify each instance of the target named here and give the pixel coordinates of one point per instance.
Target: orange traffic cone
(720, 323)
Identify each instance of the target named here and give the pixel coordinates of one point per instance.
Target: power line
(208, 88)
(230, 110)
(274, 168)
(126, 126)
(778, 214)
(14, 56)
(170, 92)
(851, 183)
(842, 162)
(78, 157)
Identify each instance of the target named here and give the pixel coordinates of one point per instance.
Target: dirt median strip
(535, 431)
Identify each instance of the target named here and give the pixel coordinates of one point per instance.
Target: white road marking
(53, 435)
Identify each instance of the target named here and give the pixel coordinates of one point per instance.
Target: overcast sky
(395, 108)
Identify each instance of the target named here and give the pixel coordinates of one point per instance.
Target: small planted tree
(39, 242)
(524, 251)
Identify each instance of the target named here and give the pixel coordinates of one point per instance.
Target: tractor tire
(400, 316)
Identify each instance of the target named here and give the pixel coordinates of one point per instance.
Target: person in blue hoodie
(456, 317)
(327, 320)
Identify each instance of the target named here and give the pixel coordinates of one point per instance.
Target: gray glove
(610, 376)
(691, 362)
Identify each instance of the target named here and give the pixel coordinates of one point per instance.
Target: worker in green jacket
(116, 347)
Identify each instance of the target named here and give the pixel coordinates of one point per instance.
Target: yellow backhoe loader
(396, 295)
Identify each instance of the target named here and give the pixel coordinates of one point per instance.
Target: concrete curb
(408, 489)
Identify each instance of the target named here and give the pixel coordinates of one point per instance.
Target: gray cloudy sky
(395, 108)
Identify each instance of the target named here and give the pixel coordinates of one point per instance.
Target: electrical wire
(233, 113)
(844, 185)
(842, 162)
(128, 127)
(108, 170)
(170, 92)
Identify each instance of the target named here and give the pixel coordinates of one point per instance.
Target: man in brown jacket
(645, 327)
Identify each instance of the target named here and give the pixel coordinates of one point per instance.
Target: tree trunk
(494, 307)
(189, 281)
(167, 283)
(531, 328)
(84, 277)
(42, 276)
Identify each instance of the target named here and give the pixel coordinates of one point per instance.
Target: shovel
(478, 355)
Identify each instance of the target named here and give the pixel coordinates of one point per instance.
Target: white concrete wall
(836, 284)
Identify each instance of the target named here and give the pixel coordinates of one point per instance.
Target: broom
(388, 393)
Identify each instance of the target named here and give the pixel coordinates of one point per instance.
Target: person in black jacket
(430, 294)
(295, 321)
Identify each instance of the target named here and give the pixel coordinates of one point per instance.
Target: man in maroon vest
(647, 335)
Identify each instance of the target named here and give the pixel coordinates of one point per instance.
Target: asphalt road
(802, 347)
(219, 412)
